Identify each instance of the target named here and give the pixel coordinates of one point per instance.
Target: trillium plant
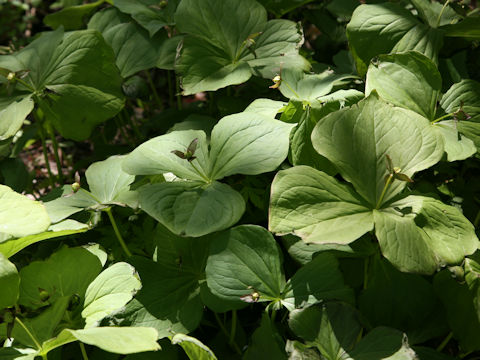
(226, 179)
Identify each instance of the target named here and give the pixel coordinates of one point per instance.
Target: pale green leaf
(382, 28)
(192, 209)
(457, 146)
(12, 115)
(20, 216)
(247, 143)
(357, 140)
(266, 107)
(193, 347)
(108, 183)
(420, 234)
(155, 156)
(9, 283)
(110, 291)
(409, 80)
(317, 207)
(245, 262)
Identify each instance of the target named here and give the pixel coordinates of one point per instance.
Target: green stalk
(441, 13)
(387, 184)
(442, 117)
(179, 95)
(365, 272)
(171, 94)
(234, 327)
(117, 232)
(83, 350)
(45, 153)
(132, 123)
(445, 342)
(225, 332)
(51, 133)
(37, 344)
(24, 83)
(154, 90)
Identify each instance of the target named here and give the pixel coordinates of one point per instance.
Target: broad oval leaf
(193, 347)
(12, 115)
(420, 234)
(409, 80)
(155, 156)
(9, 283)
(108, 183)
(249, 144)
(245, 264)
(357, 140)
(110, 290)
(20, 216)
(192, 209)
(388, 27)
(317, 207)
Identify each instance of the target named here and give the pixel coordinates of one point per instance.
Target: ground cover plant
(226, 179)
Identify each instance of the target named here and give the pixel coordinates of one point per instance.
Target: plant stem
(132, 123)
(20, 322)
(117, 232)
(274, 315)
(51, 132)
(171, 94)
(387, 184)
(24, 83)
(41, 132)
(225, 332)
(445, 341)
(83, 350)
(441, 13)
(234, 327)
(365, 272)
(179, 95)
(442, 117)
(154, 90)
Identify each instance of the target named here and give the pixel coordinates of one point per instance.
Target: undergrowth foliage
(240, 180)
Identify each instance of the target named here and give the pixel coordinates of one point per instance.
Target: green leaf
(245, 265)
(68, 227)
(387, 27)
(403, 301)
(67, 272)
(333, 329)
(74, 101)
(117, 340)
(148, 13)
(68, 203)
(134, 49)
(20, 216)
(72, 17)
(194, 348)
(468, 28)
(435, 14)
(266, 107)
(17, 354)
(465, 95)
(457, 146)
(318, 280)
(9, 283)
(226, 41)
(192, 209)
(169, 299)
(336, 214)
(12, 115)
(108, 183)
(425, 236)
(247, 144)
(461, 308)
(281, 7)
(409, 80)
(383, 344)
(155, 156)
(109, 292)
(295, 84)
(357, 140)
(266, 343)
